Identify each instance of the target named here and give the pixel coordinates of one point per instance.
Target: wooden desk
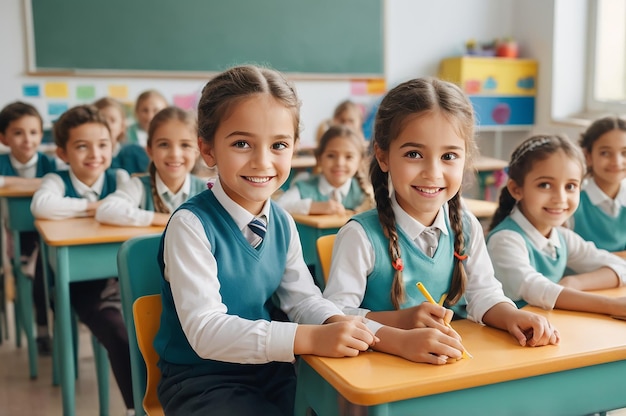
(79, 249)
(481, 209)
(299, 163)
(17, 218)
(489, 170)
(582, 375)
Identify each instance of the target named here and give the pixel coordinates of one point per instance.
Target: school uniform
(600, 218)
(96, 302)
(530, 265)
(132, 203)
(361, 273)
(132, 158)
(219, 351)
(298, 198)
(136, 135)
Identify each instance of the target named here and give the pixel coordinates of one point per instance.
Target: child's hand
(345, 338)
(532, 329)
(330, 207)
(92, 207)
(426, 315)
(160, 218)
(422, 345)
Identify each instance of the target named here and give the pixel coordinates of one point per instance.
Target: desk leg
(313, 392)
(63, 330)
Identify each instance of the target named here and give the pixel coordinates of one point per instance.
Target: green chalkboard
(328, 37)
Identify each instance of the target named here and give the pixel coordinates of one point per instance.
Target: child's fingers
(519, 335)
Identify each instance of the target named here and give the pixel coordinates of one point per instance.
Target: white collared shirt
(126, 206)
(519, 278)
(354, 259)
(191, 270)
(292, 201)
(50, 202)
(611, 206)
(25, 170)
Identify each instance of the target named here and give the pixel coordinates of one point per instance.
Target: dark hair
(597, 129)
(345, 132)
(147, 94)
(229, 88)
(160, 118)
(15, 111)
(411, 99)
(75, 117)
(531, 150)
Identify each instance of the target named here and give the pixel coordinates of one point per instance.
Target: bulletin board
(333, 38)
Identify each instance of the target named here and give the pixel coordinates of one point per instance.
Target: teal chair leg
(102, 372)
(4, 322)
(55, 353)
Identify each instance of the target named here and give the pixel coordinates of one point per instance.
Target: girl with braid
(151, 198)
(419, 231)
(341, 185)
(530, 248)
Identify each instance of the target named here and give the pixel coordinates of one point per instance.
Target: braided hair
(418, 97)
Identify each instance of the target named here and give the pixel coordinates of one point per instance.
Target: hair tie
(461, 257)
(398, 264)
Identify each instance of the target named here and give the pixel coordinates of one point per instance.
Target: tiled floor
(19, 395)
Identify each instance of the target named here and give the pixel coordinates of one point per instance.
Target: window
(606, 89)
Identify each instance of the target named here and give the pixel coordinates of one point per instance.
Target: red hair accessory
(461, 257)
(398, 264)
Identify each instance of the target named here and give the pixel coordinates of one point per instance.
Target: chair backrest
(139, 275)
(324, 253)
(147, 316)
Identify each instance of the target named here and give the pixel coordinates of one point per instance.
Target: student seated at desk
(150, 199)
(128, 156)
(530, 248)
(340, 186)
(347, 113)
(147, 105)
(601, 214)
(21, 129)
(84, 142)
(419, 232)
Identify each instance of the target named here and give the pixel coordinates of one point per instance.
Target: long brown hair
(418, 97)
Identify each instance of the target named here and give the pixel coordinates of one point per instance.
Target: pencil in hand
(430, 299)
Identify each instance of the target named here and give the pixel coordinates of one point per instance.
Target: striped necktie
(258, 228)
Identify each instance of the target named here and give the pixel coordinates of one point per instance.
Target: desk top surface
(485, 163)
(84, 231)
(13, 191)
(374, 378)
(303, 162)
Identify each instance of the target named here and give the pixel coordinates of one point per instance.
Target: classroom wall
(418, 34)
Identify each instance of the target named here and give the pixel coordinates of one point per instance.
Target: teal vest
(435, 273)
(197, 185)
(45, 164)
(309, 188)
(248, 277)
(131, 134)
(593, 224)
(108, 187)
(132, 158)
(552, 269)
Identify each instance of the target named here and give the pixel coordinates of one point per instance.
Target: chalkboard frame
(355, 50)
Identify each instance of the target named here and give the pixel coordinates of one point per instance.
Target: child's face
(550, 193)
(88, 151)
(426, 163)
(252, 150)
(351, 117)
(23, 136)
(608, 160)
(339, 161)
(174, 151)
(116, 122)
(147, 109)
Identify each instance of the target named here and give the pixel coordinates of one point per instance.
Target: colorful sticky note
(118, 91)
(56, 109)
(376, 86)
(30, 90)
(358, 88)
(85, 92)
(56, 90)
(186, 101)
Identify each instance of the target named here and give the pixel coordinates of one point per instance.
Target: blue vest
(248, 277)
(108, 187)
(45, 164)
(131, 134)
(435, 272)
(552, 269)
(132, 158)
(197, 185)
(593, 224)
(309, 188)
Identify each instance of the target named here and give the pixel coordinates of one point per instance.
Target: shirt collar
(82, 189)
(535, 237)
(596, 195)
(17, 165)
(163, 189)
(411, 226)
(239, 214)
(326, 188)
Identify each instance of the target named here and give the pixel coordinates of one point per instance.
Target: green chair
(139, 275)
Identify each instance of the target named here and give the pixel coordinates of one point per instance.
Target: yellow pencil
(430, 299)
